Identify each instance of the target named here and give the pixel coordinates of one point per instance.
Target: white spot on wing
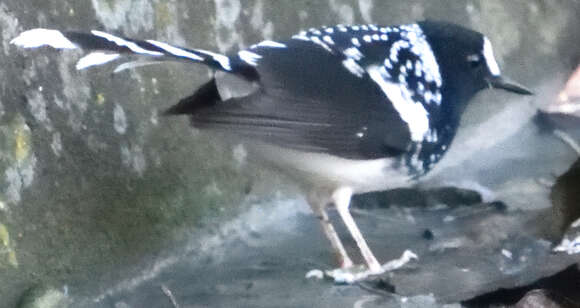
(403, 70)
(272, 44)
(420, 87)
(490, 58)
(328, 39)
(40, 37)
(413, 113)
(301, 37)
(418, 68)
(428, 96)
(320, 43)
(95, 58)
(249, 57)
(175, 51)
(353, 52)
(353, 67)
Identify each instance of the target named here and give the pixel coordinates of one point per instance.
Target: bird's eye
(474, 60)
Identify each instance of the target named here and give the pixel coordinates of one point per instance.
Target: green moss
(7, 253)
(16, 142)
(100, 99)
(4, 236)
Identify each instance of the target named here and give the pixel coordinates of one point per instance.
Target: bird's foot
(405, 258)
(354, 273)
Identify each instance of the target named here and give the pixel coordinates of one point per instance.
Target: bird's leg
(318, 207)
(341, 198)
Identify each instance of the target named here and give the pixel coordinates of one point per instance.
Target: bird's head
(466, 61)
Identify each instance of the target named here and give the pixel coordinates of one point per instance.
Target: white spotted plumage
(354, 53)
(328, 39)
(353, 67)
(407, 38)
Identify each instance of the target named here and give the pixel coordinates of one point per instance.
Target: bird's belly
(318, 170)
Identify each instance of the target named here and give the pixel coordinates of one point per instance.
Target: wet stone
(544, 299)
(44, 297)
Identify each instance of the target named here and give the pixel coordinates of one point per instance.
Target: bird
(343, 110)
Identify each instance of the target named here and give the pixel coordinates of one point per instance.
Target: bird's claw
(352, 274)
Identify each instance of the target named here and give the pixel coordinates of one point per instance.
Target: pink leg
(318, 207)
(341, 198)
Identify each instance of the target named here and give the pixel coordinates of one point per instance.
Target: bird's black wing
(313, 96)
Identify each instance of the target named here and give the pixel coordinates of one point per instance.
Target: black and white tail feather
(305, 87)
(105, 48)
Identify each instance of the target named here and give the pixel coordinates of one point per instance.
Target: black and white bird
(344, 110)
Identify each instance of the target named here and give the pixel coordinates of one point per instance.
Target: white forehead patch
(490, 58)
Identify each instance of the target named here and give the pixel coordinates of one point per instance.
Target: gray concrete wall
(92, 178)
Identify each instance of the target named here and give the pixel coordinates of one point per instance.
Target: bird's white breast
(331, 172)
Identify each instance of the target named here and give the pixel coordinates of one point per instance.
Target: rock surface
(101, 194)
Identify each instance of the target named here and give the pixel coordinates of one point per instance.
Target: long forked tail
(106, 47)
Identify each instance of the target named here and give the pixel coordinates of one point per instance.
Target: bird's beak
(500, 82)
